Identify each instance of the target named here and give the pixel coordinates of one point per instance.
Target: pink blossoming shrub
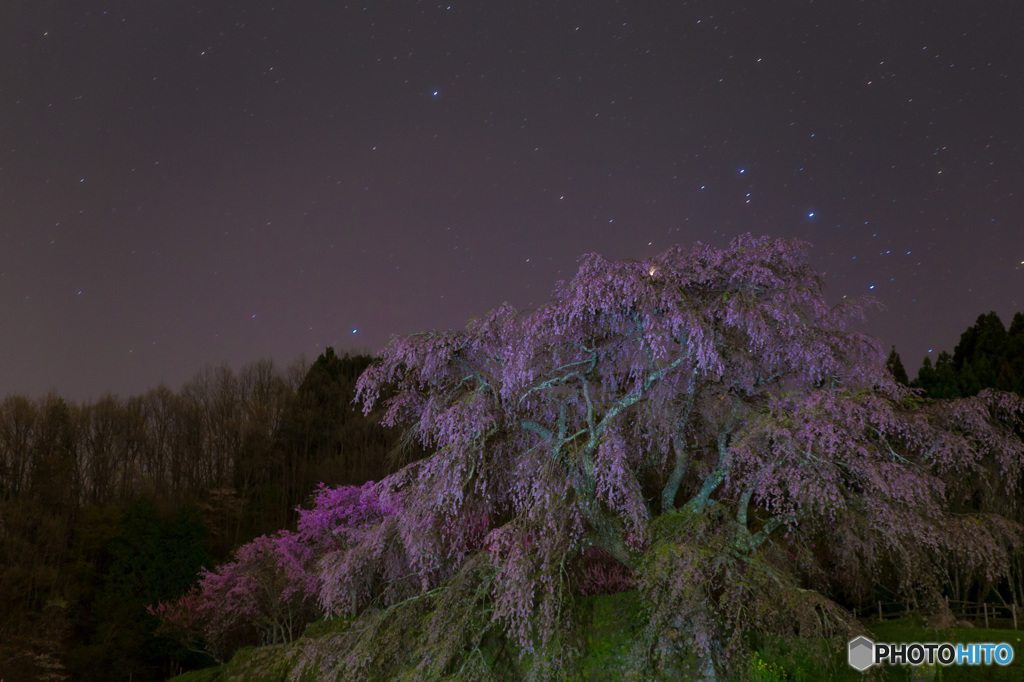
(265, 595)
(271, 588)
(195, 621)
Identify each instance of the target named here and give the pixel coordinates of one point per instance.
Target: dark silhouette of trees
(131, 557)
(18, 418)
(90, 493)
(987, 356)
(313, 431)
(895, 367)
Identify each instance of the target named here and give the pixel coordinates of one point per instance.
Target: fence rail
(994, 615)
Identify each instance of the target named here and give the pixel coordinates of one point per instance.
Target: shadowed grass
(609, 626)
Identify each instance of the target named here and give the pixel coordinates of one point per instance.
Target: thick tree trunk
(675, 479)
(608, 536)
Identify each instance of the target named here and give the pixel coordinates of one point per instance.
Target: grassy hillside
(610, 627)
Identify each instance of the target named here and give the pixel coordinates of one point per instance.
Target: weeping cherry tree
(705, 426)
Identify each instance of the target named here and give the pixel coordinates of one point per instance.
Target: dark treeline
(988, 356)
(108, 506)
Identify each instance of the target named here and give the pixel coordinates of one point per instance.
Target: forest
(700, 429)
(111, 506)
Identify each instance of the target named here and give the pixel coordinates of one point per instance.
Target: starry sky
(187, 183)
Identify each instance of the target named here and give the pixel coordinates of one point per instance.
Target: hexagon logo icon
(862, 653)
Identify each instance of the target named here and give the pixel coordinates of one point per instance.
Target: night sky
(186, 183)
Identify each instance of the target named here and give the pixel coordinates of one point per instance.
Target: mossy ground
(615, 621)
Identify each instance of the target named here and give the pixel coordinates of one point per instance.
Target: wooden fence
(988, 615)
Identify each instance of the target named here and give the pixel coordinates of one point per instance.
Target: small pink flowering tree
(269, 591)
(188, 621)
(207, 619)
(276, 584)
(706, 421)
(265, 595)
